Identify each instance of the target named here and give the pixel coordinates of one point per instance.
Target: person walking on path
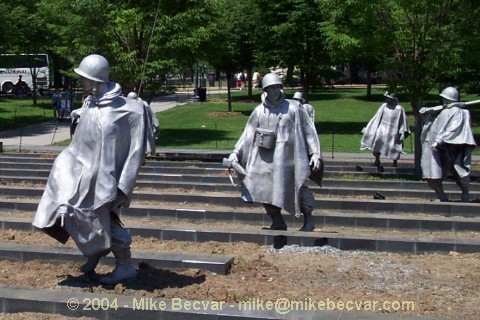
(56, 103)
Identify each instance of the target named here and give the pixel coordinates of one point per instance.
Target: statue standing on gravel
(447, 143)
(386, 131)
(279, 149)
(93, 178)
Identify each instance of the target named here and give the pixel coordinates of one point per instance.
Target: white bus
(15, 68)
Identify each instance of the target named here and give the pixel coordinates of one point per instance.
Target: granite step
(72, 303)
(357, 240)
(214, 263)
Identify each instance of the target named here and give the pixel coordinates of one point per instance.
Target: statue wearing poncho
(93, 178)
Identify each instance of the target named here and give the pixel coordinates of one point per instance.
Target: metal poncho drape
(451, 130)
(274, 176)
(99, 167)
(382, 133)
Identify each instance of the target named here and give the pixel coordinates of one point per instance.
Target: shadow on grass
(339, 127)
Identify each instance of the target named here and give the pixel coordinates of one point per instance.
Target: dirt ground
(442, 285)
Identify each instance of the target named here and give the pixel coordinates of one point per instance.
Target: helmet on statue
(132, 95)
(271, 79)
(450, 93)
(94, 67)
(298, 96)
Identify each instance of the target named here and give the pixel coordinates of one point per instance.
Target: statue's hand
(435, 145)
(233, 157)
(315, 163)
(423, 110)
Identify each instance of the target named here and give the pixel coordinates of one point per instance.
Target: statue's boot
(124, 270)
(377, 159)
(436, 185)
(278, 223)
(464, 184)
(308, 223)
(92, 261)
(395, 163)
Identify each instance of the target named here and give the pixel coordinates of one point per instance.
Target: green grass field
(16, 113)
(341, 113)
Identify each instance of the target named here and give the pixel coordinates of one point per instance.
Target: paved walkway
(44, 134)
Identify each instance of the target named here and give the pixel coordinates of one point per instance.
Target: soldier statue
(279, 149)
(386, 131)
(93, 178)
(447, 143)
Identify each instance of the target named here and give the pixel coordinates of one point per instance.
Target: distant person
(279, 149)
(93, 178)
(386, 131)
(256, 78)
(65, 109)
(447, 144)
(56, 103)
(20, 88)
(240, 80)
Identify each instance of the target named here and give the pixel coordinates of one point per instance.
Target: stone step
(230, 200)
(333, 164)
(256, 215)
(358, 240)
(215, 263)
(217, 172)
(222, 183)
(17, 187)
(73, 303)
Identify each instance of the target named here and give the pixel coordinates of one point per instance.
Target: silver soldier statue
(386, 131)
(279, 149)
(153, 125)
(298, 96)
(93, 178)
(447, 143)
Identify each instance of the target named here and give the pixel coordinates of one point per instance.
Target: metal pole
(54, 132)
(21, 135)
(333, 144)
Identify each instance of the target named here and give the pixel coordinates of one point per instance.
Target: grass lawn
(340, 115)
(19, 112)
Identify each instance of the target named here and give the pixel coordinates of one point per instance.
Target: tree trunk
(369, 81)
(418, 145)
(229, 96)
(33, 72)
(249, 82)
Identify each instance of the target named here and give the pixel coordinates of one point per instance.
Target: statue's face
(87, 84)
(274, 93)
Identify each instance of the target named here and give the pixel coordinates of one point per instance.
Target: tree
(424, 36)
(354, 35)
(142, 40)
(25, 34)
(417, 39)
(291, 37)
(235, 47)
